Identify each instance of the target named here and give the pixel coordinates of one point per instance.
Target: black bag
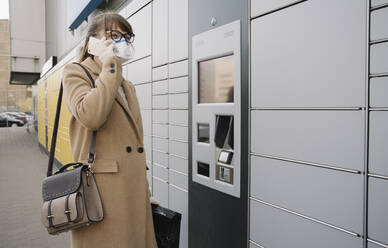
(167, 225)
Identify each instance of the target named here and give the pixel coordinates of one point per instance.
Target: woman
(119, 166)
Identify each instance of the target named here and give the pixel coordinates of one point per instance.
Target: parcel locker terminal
(215, 108)
(218, 108)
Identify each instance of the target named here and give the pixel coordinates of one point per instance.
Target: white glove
(108, 50)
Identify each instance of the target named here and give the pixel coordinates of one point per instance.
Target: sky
(4, 9)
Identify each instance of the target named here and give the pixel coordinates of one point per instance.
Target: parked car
(7, 120)
(3, 121)
(18, 115)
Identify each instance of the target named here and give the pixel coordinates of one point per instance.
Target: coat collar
(95, 67)
(93, 64)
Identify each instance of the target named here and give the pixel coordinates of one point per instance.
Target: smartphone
(95, 46)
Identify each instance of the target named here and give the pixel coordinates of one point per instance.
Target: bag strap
(55, 130)
(94, 135)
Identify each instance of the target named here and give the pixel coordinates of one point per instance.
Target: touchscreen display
(216, 80)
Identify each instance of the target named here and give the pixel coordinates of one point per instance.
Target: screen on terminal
(216, 80)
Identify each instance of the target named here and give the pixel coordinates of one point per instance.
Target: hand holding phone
(96, 46)
(101, 47)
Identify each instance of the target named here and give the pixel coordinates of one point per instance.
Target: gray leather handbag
(70, 197)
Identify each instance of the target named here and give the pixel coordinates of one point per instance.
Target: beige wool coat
(120, 163)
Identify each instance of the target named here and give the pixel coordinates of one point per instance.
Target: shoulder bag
(70, 197)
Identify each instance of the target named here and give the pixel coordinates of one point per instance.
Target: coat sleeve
(91, 106)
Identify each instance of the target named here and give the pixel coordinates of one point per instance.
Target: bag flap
(61, 184)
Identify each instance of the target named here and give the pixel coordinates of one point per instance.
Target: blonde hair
(103, 21)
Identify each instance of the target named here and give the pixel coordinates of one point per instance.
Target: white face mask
(124, 50)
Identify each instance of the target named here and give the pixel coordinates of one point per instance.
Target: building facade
(12, 97)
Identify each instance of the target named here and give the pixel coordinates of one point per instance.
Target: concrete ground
(22, 168)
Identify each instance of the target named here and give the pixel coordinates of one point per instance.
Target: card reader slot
(203, 169)
(203, 132)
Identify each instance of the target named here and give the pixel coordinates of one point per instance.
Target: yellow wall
(62, 151)
(41, 113)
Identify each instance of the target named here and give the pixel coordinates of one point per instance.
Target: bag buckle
(91, 158)
(88, 172)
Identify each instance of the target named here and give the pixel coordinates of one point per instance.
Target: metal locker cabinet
(160, 172)
(178, 69)
(160, 73)
(160, 115)
(379, 58)
(378, 92)
(328, 195)
(143, 93)
(160, 144)
(125, 71)
(160, 130)
(139, 71)
(377, 210)
(160, 157)
(141, 25)
(333, 138)
(178, 85)
(178, 116)
(268, 224)
(372, 245)
(300, 57)
(178, 148)
(378, 142)
(178, 30)
(253, 245)
(146, 119)
(160, 87)
(259, 7)
(178, 179)
(159, 32)
(147, 147)
(178, 132)
(160, 102)
(178, 101)
(378, 24)
(179, 163)
(160, 191)
(375, 3)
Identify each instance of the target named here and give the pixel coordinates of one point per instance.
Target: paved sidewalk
(22, 169)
